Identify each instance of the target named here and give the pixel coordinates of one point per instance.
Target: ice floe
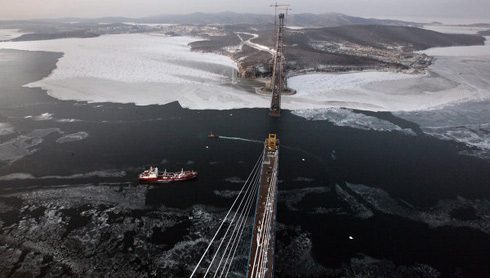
(471, 135)
(297, 258)
(8, 34)
(22, 145)
(43, 117)
(348, 118)
(466, 123)
(356, 208)
(6, 129)
(293, 197)
(235, 180)
(303, 179)
(439, 215)
(365, 266)
(133, 197)
(226, 193)
(102, 229)
(98, 174)
(68, 120)
(77, 136)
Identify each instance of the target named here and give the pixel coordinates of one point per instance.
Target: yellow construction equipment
(272, 142)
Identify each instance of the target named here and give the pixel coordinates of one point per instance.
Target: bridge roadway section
(261, 260)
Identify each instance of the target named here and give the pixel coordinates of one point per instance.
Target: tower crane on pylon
(282, 7)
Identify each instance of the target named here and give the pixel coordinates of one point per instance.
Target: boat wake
(241, 139)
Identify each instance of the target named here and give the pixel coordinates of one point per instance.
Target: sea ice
(68, 120)
(435, 216)
(482, 51)
(149, 69)
(453, 29)
(292, 198)
(43, 117)
(235, 180)
(347, 118)
(22, 145)
(297, 256)
(467, 123)
(142, 69)
(133, 197)
(78, 136)
(6, 129)
(99, 174)
(8, 34)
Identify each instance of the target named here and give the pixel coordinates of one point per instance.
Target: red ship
(153, 176)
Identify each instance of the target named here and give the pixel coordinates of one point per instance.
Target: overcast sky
(26, 9)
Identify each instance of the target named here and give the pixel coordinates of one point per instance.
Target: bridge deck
(263, 241)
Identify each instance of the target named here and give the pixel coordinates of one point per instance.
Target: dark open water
(419, 170)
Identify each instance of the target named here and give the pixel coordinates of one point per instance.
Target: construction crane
(282, 7)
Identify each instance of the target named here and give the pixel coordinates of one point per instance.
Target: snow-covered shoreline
(147, 69)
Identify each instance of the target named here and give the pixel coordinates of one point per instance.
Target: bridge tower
(278, 71)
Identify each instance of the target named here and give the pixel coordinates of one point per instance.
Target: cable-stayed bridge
(243, 244)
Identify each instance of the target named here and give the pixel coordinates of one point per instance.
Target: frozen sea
(150, 69)
(143, 69)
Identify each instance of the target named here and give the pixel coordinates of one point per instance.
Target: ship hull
(166, 179)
